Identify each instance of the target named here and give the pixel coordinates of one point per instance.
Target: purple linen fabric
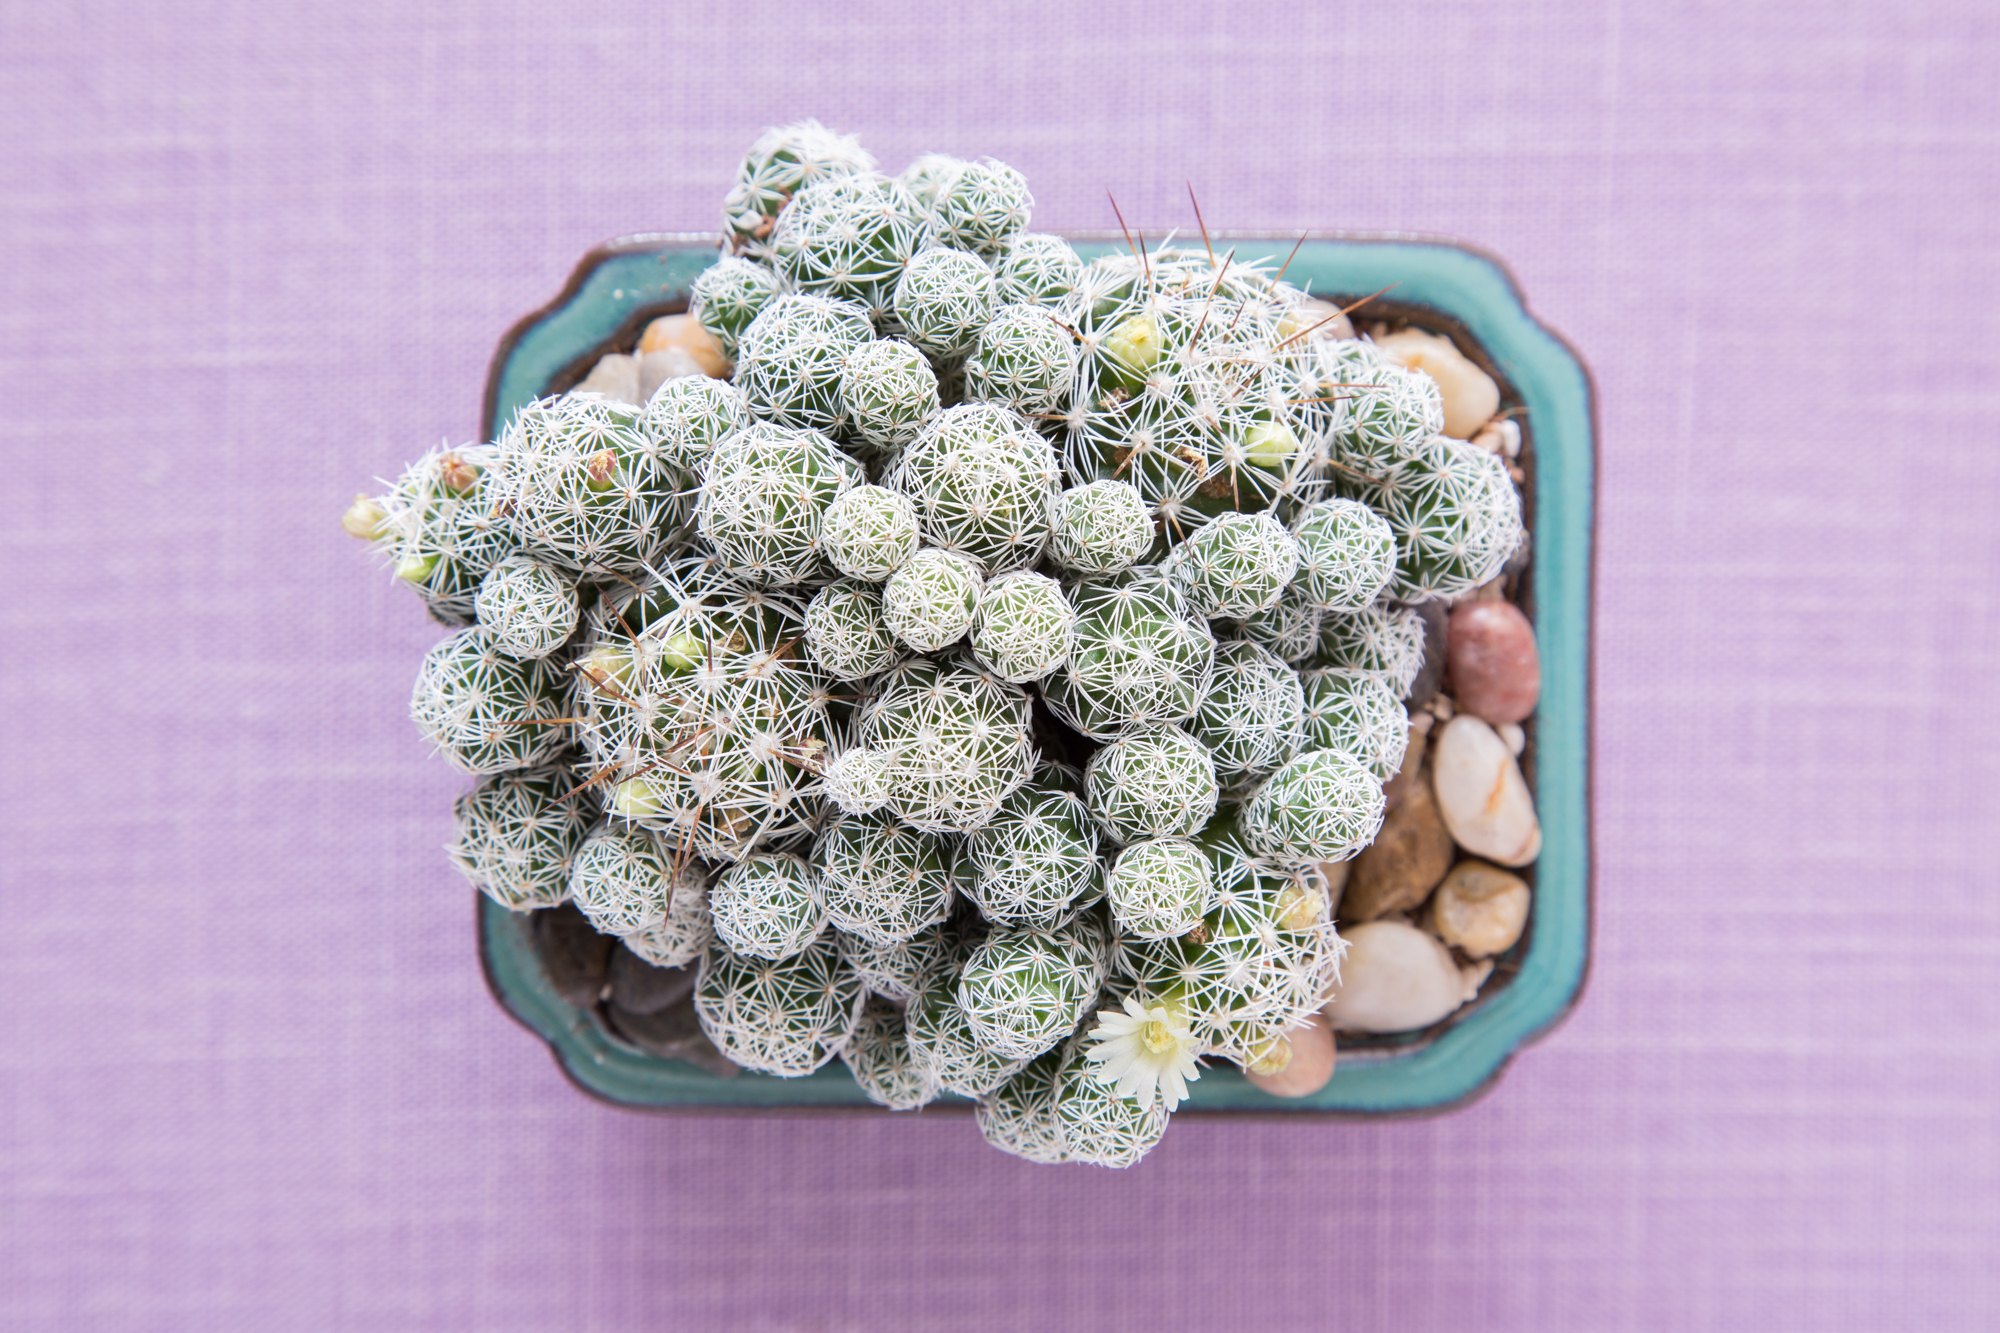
(256, 255)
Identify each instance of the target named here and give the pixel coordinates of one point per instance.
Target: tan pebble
(1413, 759)
(616, 376)
(1442, 708)
(1470, 395)
(1395, 978)
(1482, 795)
(683, 332)
(1310, 1066)
(1405, 862)
(1480, 909)
(1329, 878)
(656, 368)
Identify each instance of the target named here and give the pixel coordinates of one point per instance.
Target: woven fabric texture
(256, 255)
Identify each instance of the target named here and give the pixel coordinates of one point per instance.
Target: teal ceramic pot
(1439, 286)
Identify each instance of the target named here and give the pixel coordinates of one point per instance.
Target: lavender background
(255, 255)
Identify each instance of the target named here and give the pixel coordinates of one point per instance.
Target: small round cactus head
(869, 532)
(928, 174)
(782, 162)
(1023, 991)
(1022, 631)
(1376, 638)
(485, 710)
(530, 607)
(678, 938)
(982, 208)
(1325, 805)
(727, 295)
(1346, 554)
(586, 488)
(1160, 888)
(518, 834)
(1020, 1116)
(768, 906)
(957, 741)
(1391, 416)
(1022, 358)
(1033, 859)
(889, 391)
(1456, 516)
(1136, 656)
(849, 237)
(899, 970)
(1358, 712)
(856, 781)
(1099, 1126)
(941, 1035)
(1102, 528)
(767, 492)
(688, 416)
(1155, 781)
(1037, 269)
(930, 602)
(1236, 565)
(786, 1017)
(1253, 716)
(943, 299)
(847, 630)
(622, 879)
(883, 881)
(440, 528)
(879, 1057)
(1289, 627)
(789, 361)
(982, 480)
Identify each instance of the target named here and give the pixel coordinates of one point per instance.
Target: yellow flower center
(1159, 1038)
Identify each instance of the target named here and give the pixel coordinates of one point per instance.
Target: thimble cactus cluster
(973, 684)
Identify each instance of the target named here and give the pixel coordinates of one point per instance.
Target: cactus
(768, 906)
(778, 165)
(1288, 628)
(1236, 565)
(1252, 718)
(785, 1018)
(1380, 638)
(1023, 628)
(848, 237)
(1024, 990)
(847, 630)
(483, 709)
(586, 488)
(1456, 516)
(1022, 357)
(622, 880)
(888, 393)
(680, 937)
(1324, 805)
(1101, 528)
(1160, 888)
(898, 971)
(956, 740)
(1358, 712)
(1100, 1127)
(1019, 1117)
(530, 608)
(1037, 269)
(790, 359)
(857, 780)
(441, 528)
(1136, 656)
(518, 835)
(884, 1067)
(982, 207)
(687, 417)
(943, 300)
(727, 295)
(941, 1036)
(767, 492)
(931, 600)
(982, 481)
(1392, 414)
(883, 881)
(1154, 781)
(1032, 861)
(868, 532)
(1347, 554)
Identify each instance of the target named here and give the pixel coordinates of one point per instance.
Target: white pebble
(1395, 978)
(1481, 794)
(616, 376)
(1517, 739)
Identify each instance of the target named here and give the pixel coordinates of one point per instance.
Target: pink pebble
(1496, 671)
(1311, 1065)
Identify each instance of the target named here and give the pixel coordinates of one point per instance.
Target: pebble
(683, 333)
(1481, 794)
(1496, 670)
(1430, 676)
(1516, 738)
(674, 1034)
(1310, 1066)
(1501, 437)
(1413, 760)
(1399, 869)
(616, 376)
(1480, 909)
(641, 988)
(1470, 395)
(1396, 978)
(574, 956)
(656, 368)
(1330, 878)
